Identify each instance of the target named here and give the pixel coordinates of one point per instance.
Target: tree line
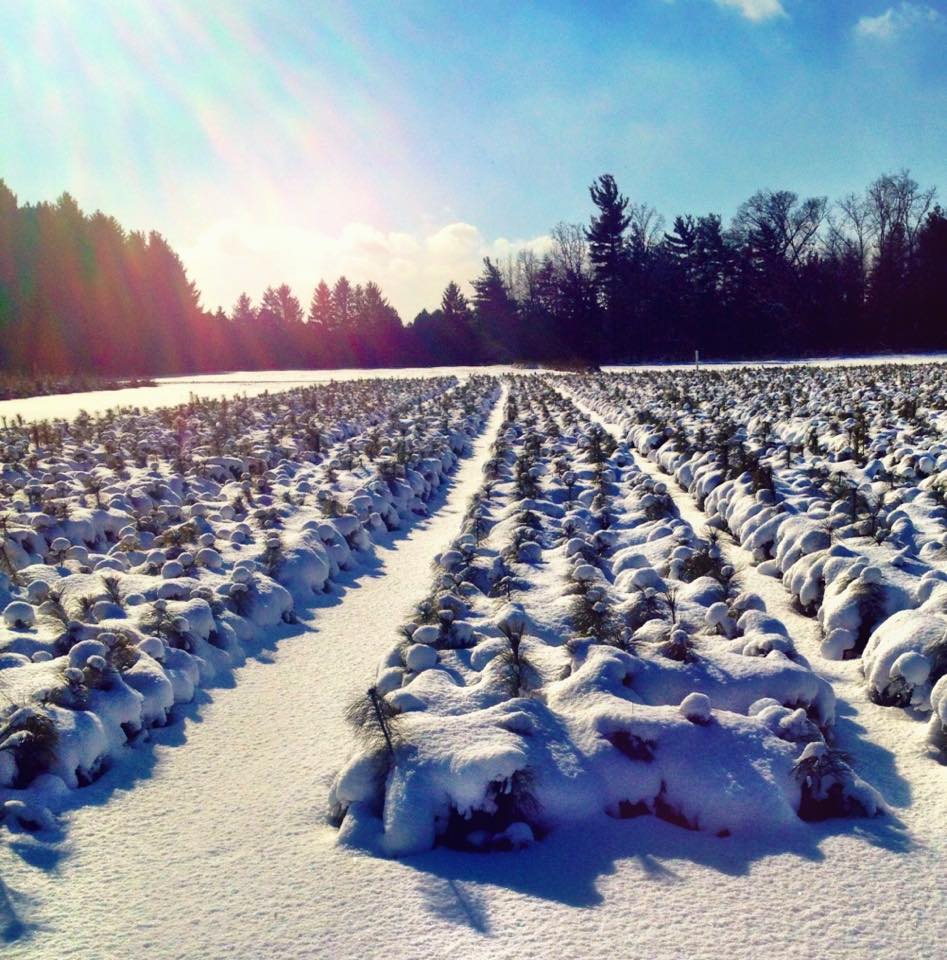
(788, 276)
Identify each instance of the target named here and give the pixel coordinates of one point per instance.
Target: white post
(697, 359)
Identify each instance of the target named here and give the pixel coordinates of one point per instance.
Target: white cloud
(756, 10)
(456, 241)
(897, 20)
(238, 254)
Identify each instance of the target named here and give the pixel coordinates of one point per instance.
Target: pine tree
(378, 316)
(358, 307)
(496, 313)
(243, 312)
(342, 305)
(607, 250)
(269, 313)
(320, 307)
(454, 304)
(290, 309)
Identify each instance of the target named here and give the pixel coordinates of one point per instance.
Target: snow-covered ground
(139, 563)
(582, 654)
(170, 391)
(877, 360)
(835, 481)
(213, 842)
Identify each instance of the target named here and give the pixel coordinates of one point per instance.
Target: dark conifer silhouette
(608, 252)
(790, 277)
(320, 307)
(495, 313)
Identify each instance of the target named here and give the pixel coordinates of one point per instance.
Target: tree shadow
(457, 904)
(866, 755)
(13, 926)
(567, 865)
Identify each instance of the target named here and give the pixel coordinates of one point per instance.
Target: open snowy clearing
(170, 391)
(216, 833)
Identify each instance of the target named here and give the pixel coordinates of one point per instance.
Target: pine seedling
(516, 666)
(31, 736)
(678, 646)
(670, 600)
(823, 774)
(113, 589)
(375, 721)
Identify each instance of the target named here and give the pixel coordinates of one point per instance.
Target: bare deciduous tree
(849, 231)
(570, 251)
(780, 226)
(645, 226)
(897, 206)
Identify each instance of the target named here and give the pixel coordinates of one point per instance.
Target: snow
(191, 852)
(828, 362)
(524, 729)
(696, 708)
(170, 391)
(19, 615)
(80, 659)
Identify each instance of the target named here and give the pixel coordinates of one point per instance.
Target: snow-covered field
(494, 667)
(170, 391)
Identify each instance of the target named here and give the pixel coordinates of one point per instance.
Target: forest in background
(787, 277)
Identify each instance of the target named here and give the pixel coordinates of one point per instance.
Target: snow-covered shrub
(604, 686)
(139, 566)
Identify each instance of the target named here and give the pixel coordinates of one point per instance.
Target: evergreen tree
(78, 292)
(342, 305)
(289, 309)
(608, 254)
(243, 312)
(358, 307)
(454, 304)
(928, 282)
(269, 313)
(378, 316)
(320, 307)
(496, 314)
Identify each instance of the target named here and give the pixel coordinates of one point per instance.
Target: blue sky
(276, 141)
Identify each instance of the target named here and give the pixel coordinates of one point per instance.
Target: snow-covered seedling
(612, 678)
(27, 742)
(145, 554)
(18, 615)
(696, 708)
(516, 669)
(829, 788)
(375, 719)
(830, 478)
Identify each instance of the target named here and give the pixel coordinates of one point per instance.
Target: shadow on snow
(566, 866)
(45, 850)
